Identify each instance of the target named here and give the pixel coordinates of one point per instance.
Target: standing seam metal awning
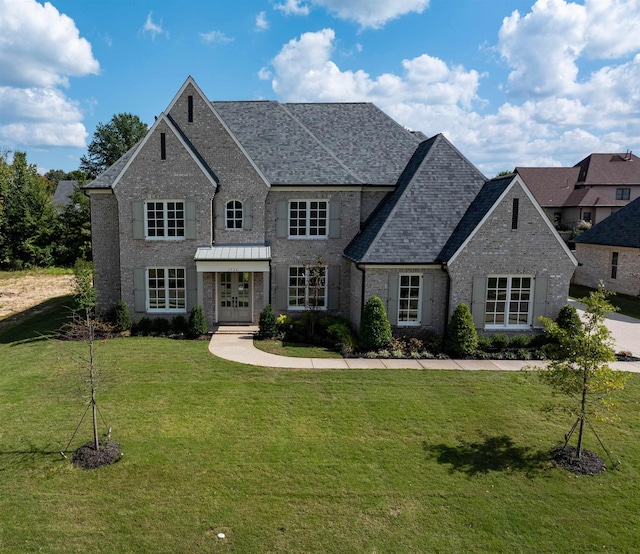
(232, 258)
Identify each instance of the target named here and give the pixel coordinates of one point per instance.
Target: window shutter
(219, 213)
(392, 304)
(282, 284)
(191, 285)
(139, 290)
(190, 220)
(334, 219)
(138, 220)
(333, 279)
(427, 299)
(247, 216)
(478, 301)
(282, 219)
(541, 286)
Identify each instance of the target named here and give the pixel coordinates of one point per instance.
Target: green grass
(298, 461)
(294, 349)
(628, 305)
(36, 271)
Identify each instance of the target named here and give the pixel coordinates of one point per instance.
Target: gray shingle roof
(320, 144)
(415, 222)
(106, 179)
(64, 190)
(621, 228)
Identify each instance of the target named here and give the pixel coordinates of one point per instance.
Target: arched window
(233, 215)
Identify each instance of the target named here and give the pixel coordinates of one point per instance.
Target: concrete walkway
(236, 344)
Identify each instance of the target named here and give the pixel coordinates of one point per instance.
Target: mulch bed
(588, 464)
(87, 457)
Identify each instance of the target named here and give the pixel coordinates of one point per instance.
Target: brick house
(233, 205)
(593, 189)
(609, 252)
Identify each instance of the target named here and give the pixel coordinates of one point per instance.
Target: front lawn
(294, 349)
(298, 461)
(628, 305)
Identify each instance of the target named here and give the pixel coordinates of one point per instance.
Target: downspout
(445, 268)
(362, 291)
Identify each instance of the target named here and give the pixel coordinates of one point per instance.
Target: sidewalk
(236, 344)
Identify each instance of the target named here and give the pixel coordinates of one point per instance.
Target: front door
(235, 297)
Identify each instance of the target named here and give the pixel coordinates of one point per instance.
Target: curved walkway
(236, 344)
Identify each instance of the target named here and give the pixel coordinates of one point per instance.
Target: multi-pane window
(308, 218)
(409, 300)
(623, 194)
(614, 265)
(166, 289)
(307, 287)
(509, 301)
(164, 219)
(233, 215)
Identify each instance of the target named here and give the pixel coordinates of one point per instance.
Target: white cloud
(215, 37)
(565, 120)
(372, 13)
(262, 24)
(292, 7)
(368, 13)
(154, 29)
(40, 48)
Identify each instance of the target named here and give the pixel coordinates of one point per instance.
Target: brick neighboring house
(229, 204)
(590, 191)
(610, 252)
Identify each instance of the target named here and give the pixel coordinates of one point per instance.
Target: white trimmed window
(166, 290)
(164, 219)
(307, 287)
(509, 301)
(233, 215)
(409, 299)
(308, 218)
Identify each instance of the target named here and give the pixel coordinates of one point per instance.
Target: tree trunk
(94, 407)
(583, 411)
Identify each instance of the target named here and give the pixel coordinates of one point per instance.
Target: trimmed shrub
(462, 337)
(121, 317)
(283, 322)
(499, 341)
(142, 327)
(197, 323)
(520, 341)
(484, 343)
(375, 329)
(179, 325)
(160, 326)
(267, 323)
(569, 320)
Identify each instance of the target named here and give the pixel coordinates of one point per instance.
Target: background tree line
(35, 232)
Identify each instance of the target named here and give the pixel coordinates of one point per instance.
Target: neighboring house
(62, 196)
(590, 191)
(609, 252)
(233, 205)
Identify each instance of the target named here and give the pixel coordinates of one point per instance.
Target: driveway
(624, 329)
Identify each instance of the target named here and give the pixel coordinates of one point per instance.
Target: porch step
(236, 329)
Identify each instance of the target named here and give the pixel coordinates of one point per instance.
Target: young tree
(375, 329)
(111, 141)
(462, 337)
(580, 367)
(317, 283)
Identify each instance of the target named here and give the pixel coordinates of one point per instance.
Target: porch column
(200, 285)
(265, 286)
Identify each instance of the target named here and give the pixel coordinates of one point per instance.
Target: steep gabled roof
(621, 228)
(551, 186)
(110, 178)
(320, 144)
(414, 223)
(609, 169)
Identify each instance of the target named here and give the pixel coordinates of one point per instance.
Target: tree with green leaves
(27, 218)
(111, 141)
(375, 329)
(579, 368)
(73, 231)
(462, 337)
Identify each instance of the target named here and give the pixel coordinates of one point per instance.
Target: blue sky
(509, 82)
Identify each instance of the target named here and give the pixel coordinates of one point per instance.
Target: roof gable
(414, 223)
(112, 176)
(619, 229)
(609, 169)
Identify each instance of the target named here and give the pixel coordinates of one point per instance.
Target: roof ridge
(322, 144)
